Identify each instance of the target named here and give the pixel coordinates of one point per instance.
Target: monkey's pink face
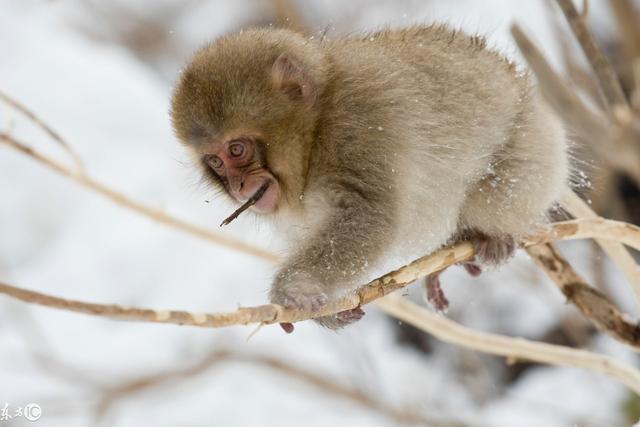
(239, 165)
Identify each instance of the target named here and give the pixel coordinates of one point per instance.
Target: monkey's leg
(491, 251)
(524, 180)
(433, 292)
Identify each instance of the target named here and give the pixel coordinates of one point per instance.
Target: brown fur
(412, 136)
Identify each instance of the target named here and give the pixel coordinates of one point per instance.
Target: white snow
(66, 61)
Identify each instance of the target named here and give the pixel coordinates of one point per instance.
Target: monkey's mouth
(263, 200)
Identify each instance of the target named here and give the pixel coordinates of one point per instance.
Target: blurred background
(101, 73)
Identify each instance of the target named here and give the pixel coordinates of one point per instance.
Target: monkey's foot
(473, 269)
(287, 327)
(491, 251)
(434, 294)
(341, 319)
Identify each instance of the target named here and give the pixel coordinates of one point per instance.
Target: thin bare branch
(271, 313)
(512, 348)
(46, 128)
(576, 73)
(322, 382)
(635, 94)
(611, 142)
(557, 91)
(627, 18)
(587, 228)
(606, 75)
(618, 253)
(124, 201)
(593, 304)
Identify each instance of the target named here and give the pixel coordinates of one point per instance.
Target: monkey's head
(247, 106)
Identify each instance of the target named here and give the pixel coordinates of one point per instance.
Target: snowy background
(101, 73)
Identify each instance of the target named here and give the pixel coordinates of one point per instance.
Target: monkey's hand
(310, 295)
(299, 293)
(302, 295)
(332, 260)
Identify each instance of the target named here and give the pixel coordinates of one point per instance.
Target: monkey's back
(450, 109)
(459, 97)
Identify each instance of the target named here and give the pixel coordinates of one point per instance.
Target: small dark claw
(341, 319)
(491, 251)
(287, 327)
(473, 269)
(434, 293)
(350, 316)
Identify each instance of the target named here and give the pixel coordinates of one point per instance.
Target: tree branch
(512, 348)
(557, 92)
(331, 388)
(268, 313)
(611, 88)
(592, 303)
(438, 261)
(627, 17)
(618, 253)
(46, 128)
(612, 142)
(124, 201)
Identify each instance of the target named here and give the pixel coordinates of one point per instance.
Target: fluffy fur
(412, 138)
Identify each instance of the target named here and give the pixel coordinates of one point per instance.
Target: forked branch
(604, 315)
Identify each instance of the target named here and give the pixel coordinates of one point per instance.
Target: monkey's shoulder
(434, 33)
(432, 43)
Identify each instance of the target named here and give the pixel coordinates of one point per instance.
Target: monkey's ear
(289, 77)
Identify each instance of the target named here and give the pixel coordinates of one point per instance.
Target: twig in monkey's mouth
(252, 201)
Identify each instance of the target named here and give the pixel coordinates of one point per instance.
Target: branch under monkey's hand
(252, 201)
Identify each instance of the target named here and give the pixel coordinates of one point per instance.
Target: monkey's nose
(237, 184)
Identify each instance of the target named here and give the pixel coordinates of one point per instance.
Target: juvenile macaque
(398, 142)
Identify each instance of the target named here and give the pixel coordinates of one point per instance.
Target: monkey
(395, 142)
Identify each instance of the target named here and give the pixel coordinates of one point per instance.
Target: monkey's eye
(236, 149)
(214, 161)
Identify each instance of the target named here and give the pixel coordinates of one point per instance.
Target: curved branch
(268, 313)
(558, 93)
(611, 87)
(124, 201)
(271, 313)
(400, 415)
(618, 253)
(46, 128)
(513, 348)
(589, 228)
(592, 303)
(605, 138)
